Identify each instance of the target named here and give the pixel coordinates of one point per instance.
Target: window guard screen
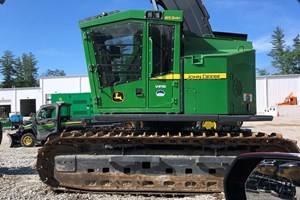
(118, 51)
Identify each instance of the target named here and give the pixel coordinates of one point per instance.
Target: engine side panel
(219, 76)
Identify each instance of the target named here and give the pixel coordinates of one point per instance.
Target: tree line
(22, 71)
(285, 58)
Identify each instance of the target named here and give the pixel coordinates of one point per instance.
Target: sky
(49, 29)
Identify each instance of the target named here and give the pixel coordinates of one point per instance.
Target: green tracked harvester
(181, 92)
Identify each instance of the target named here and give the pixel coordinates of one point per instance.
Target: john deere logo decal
(118, 97)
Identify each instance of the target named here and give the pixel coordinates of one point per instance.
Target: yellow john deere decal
(118, 96)
(175, 18)
(205, 76)
(196, 76)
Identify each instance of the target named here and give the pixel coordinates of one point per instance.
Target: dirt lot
(19, 179)
(289, 127)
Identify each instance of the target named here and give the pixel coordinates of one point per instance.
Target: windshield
(47, 113)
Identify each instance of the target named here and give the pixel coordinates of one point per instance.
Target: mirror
(274, 179)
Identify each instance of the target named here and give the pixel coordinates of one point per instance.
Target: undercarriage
(126, 161)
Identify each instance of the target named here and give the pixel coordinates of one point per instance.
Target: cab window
(163, 48)
(118, 51)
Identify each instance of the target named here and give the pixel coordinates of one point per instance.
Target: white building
(273, 89)
(269, 91)
(21, 100)
(26, 100)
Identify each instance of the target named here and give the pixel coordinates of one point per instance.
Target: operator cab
(129, 58)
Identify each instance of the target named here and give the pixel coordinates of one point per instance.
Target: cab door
(164, 67)
(117, 60)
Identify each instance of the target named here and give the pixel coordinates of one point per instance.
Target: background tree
(278, 51)
(30, 70)
(262, 72)
(296, 54)
(7, 68)
(286, 59)
(55, 72)
(20, 73)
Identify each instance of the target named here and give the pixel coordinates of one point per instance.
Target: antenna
(153, 2)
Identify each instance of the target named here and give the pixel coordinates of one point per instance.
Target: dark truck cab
(50, 120)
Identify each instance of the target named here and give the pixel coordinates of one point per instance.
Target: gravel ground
(19, 179)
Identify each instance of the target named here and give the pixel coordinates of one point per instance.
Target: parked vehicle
(10, 122)
(289, 100)
(28, 135)
(51, 120)
(43, 125)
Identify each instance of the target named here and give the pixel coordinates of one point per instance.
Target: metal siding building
(269, 91)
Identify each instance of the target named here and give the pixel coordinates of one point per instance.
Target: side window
(118, 51)
(163, 48)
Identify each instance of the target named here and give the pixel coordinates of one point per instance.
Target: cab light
(154, 15)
